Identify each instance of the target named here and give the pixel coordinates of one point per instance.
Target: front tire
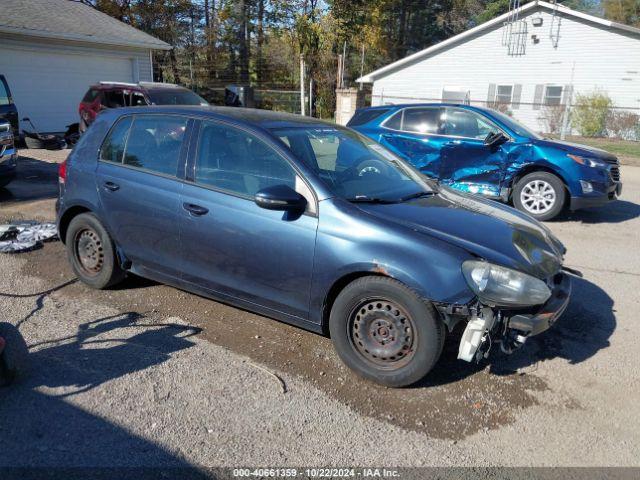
(385, 332)
(92, 253)
(540, 194)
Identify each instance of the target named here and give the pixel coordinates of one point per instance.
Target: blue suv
(486, 152)
(309, 223)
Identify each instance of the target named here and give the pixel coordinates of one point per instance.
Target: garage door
(48, 86)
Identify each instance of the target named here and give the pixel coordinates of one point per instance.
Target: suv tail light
(62, 172)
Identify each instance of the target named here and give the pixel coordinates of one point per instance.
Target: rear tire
(385, 332)
(540, 194)
(14, 359)
(91, 252)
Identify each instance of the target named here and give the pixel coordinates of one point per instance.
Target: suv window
(468, 124)
(4, 94)
(113, 147)
(90, 96)
(232, 159)
(155, 142)
(421, 120)
(365, 116)
(113, 99)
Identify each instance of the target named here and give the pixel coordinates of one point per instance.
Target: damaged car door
(415, 134)
(476, 153)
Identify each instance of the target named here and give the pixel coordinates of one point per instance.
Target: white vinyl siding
(595, 56)
(48, 79)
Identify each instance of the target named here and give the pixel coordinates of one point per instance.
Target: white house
(52, 50)
(529, 60)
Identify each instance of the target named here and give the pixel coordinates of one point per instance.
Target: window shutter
(567, 92)
(537, 97)
(491, 96)
(515, 97)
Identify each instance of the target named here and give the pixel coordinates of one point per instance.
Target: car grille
(615, 173)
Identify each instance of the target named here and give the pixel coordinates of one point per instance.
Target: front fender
(352, 243)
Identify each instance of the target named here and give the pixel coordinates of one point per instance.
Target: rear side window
(90, 96)
(4, 94)
(154, 143)
(365, 116)
(113, 147)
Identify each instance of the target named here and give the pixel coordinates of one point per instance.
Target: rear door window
(113, 147)
(154, 143)
(422, 120)
(365, 116)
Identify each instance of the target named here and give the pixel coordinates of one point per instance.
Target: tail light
(62, 172)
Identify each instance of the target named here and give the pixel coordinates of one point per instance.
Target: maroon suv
(116, 94)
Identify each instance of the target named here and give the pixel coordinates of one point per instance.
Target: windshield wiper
(416, 195)
(366, 199)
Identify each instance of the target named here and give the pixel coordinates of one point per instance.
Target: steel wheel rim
(538, 197)
(382, 333)
(89, 251)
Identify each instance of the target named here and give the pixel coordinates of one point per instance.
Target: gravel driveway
(147, 375)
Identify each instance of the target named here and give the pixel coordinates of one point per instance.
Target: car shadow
(615, 212)
(35, 180)
(580, 333)
(41, 425)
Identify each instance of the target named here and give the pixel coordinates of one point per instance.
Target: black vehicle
(8, 110)
(8, 154)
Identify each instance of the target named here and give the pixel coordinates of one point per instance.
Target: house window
(504, 94)
(455, 95)
(553, 95)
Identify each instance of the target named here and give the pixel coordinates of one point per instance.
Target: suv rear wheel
(385, 332)
(92, 253)
(540, 194)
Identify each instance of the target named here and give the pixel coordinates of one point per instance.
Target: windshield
(175, 96)
(353, 166)
(515, 126)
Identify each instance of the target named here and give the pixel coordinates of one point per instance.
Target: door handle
(111, 186)
(195, 209)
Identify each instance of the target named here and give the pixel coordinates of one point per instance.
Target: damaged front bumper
(511, 328)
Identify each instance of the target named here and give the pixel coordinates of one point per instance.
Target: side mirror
(280, 197)
(495, 139)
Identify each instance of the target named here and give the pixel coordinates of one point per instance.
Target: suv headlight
(589, 162)
(503, 286)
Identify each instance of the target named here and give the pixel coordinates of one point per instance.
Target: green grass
(628, 152)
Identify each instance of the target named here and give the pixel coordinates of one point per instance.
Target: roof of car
(267, 119)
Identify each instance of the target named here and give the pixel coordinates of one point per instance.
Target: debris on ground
(25, 236)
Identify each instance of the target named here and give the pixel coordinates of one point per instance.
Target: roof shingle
(71, 20)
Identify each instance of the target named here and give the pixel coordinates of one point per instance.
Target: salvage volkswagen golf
(309, 223)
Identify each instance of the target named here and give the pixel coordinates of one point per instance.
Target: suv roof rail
(107, 82)
(157, 84)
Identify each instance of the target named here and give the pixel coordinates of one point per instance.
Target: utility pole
(302, 101)
(362, 65)
(344, 61)
(311, 97)
(339, 75)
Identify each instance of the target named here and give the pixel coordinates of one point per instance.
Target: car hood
(487, 229)
(578, 149)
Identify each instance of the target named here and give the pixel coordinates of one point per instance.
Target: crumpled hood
(578, 149)
(485, 228)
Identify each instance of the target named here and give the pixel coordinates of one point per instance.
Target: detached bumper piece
(513, 328)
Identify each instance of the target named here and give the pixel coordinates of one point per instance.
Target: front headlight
(589, 162)
(502, 286)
